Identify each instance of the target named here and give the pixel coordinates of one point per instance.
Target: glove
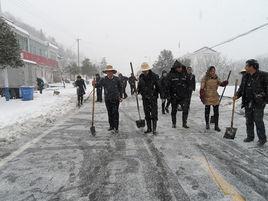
(224, 83)
(202, 95)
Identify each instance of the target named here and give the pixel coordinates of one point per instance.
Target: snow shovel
(92, 128)
(141, 122)
(212, 118)
(231, 131)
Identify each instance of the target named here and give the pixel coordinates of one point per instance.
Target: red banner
(39, 59)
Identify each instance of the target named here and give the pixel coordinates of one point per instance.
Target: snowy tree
(73, 70)
(103, 65)
(88, 68)
(9, 47)
(164, 62)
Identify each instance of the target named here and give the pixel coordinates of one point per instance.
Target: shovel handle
(225, 86)
(93, 105)
(136, 95)
(232, 120)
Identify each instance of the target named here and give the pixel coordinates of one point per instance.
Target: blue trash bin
(27, 93)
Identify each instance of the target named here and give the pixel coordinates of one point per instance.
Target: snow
(17, 115)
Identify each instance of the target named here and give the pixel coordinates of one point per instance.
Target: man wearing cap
(254, 93)
(112, 96)
(149, 89)
(178, 87)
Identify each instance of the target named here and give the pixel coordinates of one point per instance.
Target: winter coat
(178, 85)
(98, 78)
(259, 84)
(132, 80)
(81, 87)
(210, 86)
(112, 88)
(123, 80)
(149, 86)
(40, 83)
(192, 82)
(164, 87)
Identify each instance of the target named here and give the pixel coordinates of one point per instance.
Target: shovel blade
(140, 123)
(212, 120)
(230, 133)
(93, 130)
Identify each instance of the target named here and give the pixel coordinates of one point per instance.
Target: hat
(243, 70)
(109, 68)
(145, 67)
(253, 62)
(178, 64)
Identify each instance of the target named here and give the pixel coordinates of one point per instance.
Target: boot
(154, 126)
(149, 126)
(184, 120)
(217, 123)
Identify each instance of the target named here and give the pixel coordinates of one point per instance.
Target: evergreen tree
(9, 47)
(164, 62)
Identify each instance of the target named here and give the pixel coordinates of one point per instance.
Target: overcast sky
(137, 30)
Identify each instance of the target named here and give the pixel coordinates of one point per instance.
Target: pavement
(65, 162)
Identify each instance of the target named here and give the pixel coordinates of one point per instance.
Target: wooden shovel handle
(233, 110)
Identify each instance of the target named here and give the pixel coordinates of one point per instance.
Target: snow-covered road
(66, 163)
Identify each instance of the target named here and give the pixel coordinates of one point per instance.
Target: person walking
(81, 90)
(99, 89)
(191, 78)
(149, 88)
(132, 80)
(123, 80)
(209, 95)
(254, 92)
(164, 87)
(178, 86)
(112, 96)
(40, 85)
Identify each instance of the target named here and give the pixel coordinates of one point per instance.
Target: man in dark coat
(178, 87)
(254, 92)
(40, 85)
(81, 90)
(132, 80)
(123, 80)
(112, 95)
(192, 82)
(149, 89)
(164, 88)
(99, 88)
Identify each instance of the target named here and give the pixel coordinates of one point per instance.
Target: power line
(240, 35)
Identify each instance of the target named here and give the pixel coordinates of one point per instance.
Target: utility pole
(0, 9)
(78, 53)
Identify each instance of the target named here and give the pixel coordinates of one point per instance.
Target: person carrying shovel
(254, 92)
(112, 96)
(149, 88)
(209, 95)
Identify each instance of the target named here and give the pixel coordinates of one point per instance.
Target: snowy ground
(18, 117)
(66, 163)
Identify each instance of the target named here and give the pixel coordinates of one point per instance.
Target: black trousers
(255, 115)
(175, 102)
(113, 113)
(150, 108)
(189, 98)
(216, 114)
(124, 92)
(80, 98)
(132, 89)
(99, 94)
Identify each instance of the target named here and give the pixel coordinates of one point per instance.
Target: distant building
(40, 60)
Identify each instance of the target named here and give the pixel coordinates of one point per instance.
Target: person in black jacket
(254, 92)
(112, 95)
(178, 87)
(149, 89)
(40, 84)
(191, 78)
(131, 80)
(164, 88)
(99, 88)
(81, 90)
(123, 80)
